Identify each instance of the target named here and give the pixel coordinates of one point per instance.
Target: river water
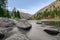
(37, 33)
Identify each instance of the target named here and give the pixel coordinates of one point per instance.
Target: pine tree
(18, 14)
(8, 14)
(13, 14)
(3, 11)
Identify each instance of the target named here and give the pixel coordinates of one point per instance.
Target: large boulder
(23, 24)
(51, 31)
(5, 22)
(17, 37)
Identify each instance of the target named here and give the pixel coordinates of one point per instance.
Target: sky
(28, 6)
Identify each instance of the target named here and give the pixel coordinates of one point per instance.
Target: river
(37, 33)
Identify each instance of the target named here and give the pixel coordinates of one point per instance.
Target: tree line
(4, 12)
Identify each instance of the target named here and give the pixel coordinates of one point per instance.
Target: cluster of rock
(7, 25)
(5, 22)
(51, 31)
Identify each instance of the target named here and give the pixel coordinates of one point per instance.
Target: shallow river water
(37, 33)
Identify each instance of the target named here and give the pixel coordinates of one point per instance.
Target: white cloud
(31, 10)
(9, 8)
(23, 10)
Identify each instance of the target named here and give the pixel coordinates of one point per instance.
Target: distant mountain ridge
(51, 7)
(25, 15)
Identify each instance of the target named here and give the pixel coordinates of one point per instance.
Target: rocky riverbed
(35, 33)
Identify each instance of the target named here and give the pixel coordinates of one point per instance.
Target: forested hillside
(48, 12)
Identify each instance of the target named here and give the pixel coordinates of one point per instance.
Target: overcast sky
(29, 6)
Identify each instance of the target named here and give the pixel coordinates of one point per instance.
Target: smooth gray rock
(17, 37)
(51, 31)
(39, 22)
(5, 22)
(23, 24)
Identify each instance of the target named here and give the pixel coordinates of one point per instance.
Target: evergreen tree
(18, 14)
(13, 14)
(8, 14)
(3, 4)
(3, 8)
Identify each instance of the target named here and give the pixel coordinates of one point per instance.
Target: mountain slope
(25, 15)
(52, 9)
